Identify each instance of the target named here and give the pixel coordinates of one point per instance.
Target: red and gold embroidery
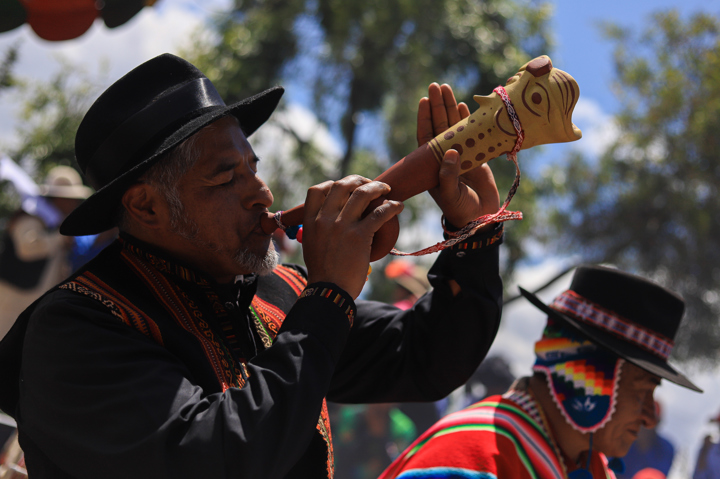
(189, 317)
(90, 285)
(271, 316)
(292, 277)
(323, 426)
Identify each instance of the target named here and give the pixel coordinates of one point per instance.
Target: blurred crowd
(35, 257)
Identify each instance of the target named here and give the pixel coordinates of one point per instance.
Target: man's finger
(482, 181)
(340, 192)
(361, 198)
(437, 107)
(463, 110)
(425, 131)
(382, 214)
(449, 173)
(451, 106)
(315, 198)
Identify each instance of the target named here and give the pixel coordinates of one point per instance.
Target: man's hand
(336, 238)
(462, 198)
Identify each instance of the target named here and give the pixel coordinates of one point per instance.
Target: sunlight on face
(635, 407)
(223, 200)
(244, 258)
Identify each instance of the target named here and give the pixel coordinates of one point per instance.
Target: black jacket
(96, 398)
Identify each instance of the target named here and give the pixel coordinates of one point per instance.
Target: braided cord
(502, 214)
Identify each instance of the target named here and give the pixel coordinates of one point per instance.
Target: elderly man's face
(635, 407)
(223, 201)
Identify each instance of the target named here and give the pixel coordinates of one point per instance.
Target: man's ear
(145, 205)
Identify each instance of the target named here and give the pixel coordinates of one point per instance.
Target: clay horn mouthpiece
(544, 99)
(268, 224)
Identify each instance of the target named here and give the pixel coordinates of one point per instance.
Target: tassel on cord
(584, 473)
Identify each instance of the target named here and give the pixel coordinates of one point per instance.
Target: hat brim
(639, 357)
(75, 192)
(95, 214)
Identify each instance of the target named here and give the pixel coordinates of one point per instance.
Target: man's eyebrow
(229, 164)
(222, 167)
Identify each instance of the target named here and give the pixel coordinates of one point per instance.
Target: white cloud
(522, 323)
(274, 145)
(598, 127)
(166, 27)
(307, 127)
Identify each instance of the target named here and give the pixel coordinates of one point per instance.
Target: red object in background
(57, 20)
(649, 473)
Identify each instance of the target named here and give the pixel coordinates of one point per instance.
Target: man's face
(635, 407)
(223, 200)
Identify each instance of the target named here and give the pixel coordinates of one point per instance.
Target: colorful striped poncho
(499, 437)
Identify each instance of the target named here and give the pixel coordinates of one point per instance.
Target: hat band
(578, 307)
(113, 156)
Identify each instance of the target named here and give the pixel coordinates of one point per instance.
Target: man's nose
(649, 414)
(258, 194)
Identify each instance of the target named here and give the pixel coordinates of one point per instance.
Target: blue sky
(580, 50)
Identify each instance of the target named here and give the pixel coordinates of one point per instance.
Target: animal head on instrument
(544, 98)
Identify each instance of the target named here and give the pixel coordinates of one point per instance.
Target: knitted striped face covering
(583, 378)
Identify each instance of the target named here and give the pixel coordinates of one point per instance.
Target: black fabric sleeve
(424, 353)
(97, 395)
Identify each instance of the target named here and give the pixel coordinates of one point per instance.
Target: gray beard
(244, 258)
(260, 265)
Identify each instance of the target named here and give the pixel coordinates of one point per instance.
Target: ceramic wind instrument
(543, 98)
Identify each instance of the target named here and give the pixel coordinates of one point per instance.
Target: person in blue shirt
(708, 462)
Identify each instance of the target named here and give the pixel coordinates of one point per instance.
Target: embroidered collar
(168, 265)
(520, 393)
(223, 300)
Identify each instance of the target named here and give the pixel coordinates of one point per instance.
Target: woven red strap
(502, 214)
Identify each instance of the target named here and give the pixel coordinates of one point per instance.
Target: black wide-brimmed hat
(626, 314)
(140, 117)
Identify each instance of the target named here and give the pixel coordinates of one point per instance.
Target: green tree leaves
(363, 61)
(651, 202)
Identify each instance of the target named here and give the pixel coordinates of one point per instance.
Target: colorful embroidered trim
(165, 265)
(502, 214)
(572, 303)
(526, 401)
(323, 427)
(187, 316)
(338, 298)
(528, 404)
(120, 307)
(292, 277)
(445, 473)
(479, 244)
(582, 377)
